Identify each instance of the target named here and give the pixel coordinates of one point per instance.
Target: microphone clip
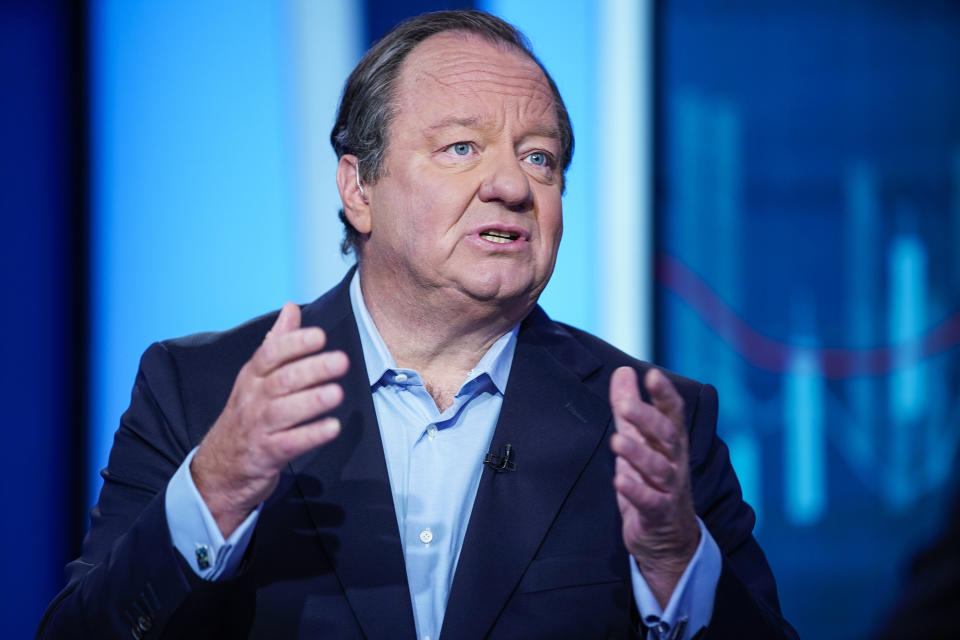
(501, 464)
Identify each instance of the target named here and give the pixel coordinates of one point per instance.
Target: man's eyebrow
(471, 122)
(546, 132)
(475, 122)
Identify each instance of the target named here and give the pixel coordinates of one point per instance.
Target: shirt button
(432, 432)
(426, 536)
(401, 377)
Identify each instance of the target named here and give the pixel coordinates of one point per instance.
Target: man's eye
(460, 148)
(539, 159)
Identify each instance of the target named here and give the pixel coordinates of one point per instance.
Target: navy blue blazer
(543, 555)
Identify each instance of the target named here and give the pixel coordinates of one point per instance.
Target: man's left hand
(652, 478)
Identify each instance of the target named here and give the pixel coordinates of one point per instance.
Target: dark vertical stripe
(79, 227)
(41, 183)
(658, 171)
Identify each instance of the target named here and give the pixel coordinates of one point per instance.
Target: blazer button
(144, 623)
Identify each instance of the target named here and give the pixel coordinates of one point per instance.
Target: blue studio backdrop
(764, 196)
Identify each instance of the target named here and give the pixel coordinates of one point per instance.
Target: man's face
(470, 203)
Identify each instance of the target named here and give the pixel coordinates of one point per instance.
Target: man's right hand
(286, 382)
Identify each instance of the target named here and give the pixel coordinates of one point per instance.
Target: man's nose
(506, 182)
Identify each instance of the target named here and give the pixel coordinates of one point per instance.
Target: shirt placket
(426, 531)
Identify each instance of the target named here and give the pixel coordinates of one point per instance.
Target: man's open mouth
(496, 235)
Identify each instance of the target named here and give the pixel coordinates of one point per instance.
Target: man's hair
(367, 106)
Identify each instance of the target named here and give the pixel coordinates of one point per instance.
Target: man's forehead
(465, 60)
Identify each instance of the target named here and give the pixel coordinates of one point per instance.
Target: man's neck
(440, 334)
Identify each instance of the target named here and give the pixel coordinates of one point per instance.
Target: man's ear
(355, 204)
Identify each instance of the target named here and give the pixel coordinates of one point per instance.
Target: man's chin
(503, 291)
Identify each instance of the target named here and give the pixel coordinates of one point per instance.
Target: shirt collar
(495, 363)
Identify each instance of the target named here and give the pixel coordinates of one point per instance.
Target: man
(421, 452)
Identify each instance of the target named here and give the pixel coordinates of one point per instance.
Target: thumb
(288, 320)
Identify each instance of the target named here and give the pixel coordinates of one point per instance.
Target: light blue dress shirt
(434, 461)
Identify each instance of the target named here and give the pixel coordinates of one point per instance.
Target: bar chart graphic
(807, 214)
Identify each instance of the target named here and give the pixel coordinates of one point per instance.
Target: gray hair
(367, 105)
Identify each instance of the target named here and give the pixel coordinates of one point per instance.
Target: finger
(278, 349)
(647, 422)
(636, 418)
(291, 443)
(306, 372)
(656, 469)
(624, 392)
(665, 397)
(625, 400)
(299, 407)
(644, 498)
(656, 430)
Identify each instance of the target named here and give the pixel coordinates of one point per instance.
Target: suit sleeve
(130, 581)
(746, 603)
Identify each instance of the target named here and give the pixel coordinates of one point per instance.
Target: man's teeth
(495, 235)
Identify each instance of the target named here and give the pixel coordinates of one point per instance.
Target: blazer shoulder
(611, 358)
(239, 343)
(221, 346)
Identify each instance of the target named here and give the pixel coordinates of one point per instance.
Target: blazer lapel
(347, 489)
(554, 424)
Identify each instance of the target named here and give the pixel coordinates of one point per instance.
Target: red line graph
(772, 355)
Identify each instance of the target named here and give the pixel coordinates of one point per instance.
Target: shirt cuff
(195, 533)
(691, 604)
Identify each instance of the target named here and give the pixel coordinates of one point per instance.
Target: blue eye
(539, 159)
(461, 148)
